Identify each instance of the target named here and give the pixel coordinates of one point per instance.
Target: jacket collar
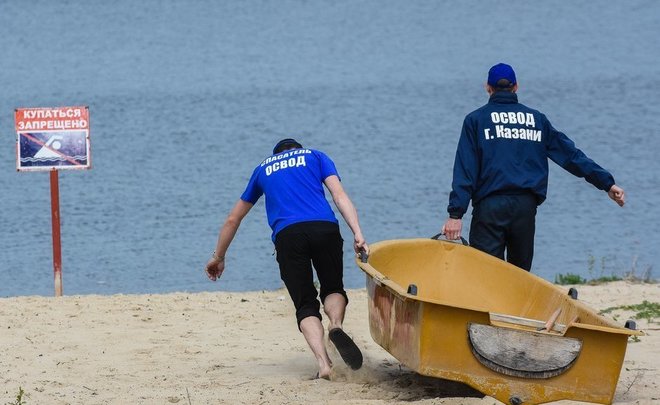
(503, 97)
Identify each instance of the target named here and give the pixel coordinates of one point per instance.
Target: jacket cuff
(455, 214)
(608, 185)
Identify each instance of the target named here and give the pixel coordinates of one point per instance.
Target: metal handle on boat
(436, 237)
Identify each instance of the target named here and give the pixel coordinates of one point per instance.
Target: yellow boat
(447, 310)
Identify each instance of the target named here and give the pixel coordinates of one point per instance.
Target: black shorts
(301, 245)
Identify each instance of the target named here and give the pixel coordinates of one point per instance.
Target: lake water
(186, 98)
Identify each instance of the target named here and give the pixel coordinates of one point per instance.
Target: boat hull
(424, 294)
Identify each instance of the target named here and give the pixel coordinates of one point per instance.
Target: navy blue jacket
(504, 149)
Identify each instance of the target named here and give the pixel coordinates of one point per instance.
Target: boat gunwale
(396, 288)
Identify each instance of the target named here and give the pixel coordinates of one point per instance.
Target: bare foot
(324, 373)
(318, 375)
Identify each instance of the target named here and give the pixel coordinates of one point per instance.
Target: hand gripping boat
(450, 311)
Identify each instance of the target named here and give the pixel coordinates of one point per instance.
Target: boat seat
(525, 323)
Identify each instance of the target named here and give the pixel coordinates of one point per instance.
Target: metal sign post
(53, 139)
(57, 244)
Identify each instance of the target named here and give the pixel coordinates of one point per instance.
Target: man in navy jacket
(502, 166)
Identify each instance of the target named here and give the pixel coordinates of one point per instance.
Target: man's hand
(215, 267)
(452, 228)
(360, 245)
(617, 194)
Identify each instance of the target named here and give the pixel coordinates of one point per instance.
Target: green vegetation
(608, 264)
(604, 279)
(646, 310)
(19, 398)
(569, 278)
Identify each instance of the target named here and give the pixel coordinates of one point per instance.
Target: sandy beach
(239, 348)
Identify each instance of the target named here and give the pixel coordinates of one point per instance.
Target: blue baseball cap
(499, 72)
(284, 143)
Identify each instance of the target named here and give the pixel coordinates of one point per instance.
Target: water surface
(186, 98)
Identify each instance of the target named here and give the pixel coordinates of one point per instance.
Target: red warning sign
(52, 138)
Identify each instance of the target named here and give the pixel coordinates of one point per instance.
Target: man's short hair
(504, 85)
(284, 144)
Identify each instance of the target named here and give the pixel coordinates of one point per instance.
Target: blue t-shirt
(293, 184)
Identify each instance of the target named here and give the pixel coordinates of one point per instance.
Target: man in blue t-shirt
(306, 234)
(501, 165)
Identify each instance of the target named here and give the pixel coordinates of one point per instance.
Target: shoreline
(240, 347)
(589, 283)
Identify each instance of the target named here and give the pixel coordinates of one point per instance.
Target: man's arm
(348, 211)
(216, 264)
(466, 172)
(562, 150)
